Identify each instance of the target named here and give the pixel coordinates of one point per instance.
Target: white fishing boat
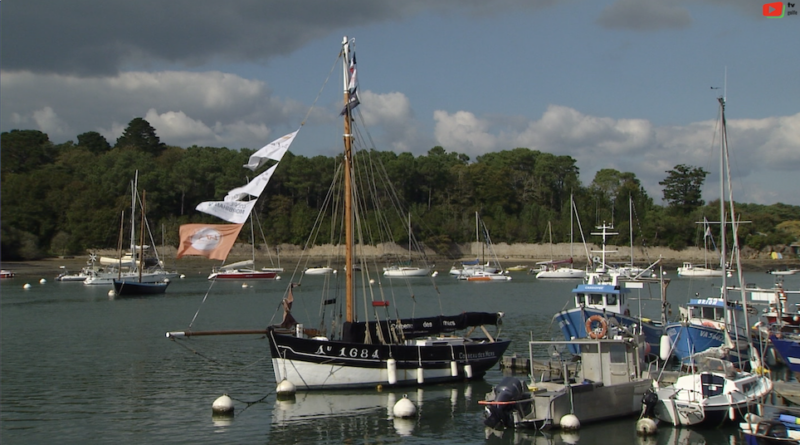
(605, 381)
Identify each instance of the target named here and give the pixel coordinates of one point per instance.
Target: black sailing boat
(138, 288)
(387, 351)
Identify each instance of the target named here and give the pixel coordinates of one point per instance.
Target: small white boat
(480, 275)
(784, 272)
(690, 270)
(318, 270)
(406, 271)
(717, 392)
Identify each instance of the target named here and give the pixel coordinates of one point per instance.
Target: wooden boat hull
(318, 363)
(126, 288)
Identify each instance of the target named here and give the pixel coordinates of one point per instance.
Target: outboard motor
(649, 401)
(508, 390)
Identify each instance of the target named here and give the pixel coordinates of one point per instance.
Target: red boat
(6, 274)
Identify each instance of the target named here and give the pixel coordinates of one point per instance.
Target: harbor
(78, 365)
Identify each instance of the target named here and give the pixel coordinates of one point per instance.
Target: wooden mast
(348, 204)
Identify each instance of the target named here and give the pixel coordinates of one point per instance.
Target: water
(81, 367)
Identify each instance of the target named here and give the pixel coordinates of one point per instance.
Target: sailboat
(384, 351)
(478, 270)
(138, 287)
(554, 268)
(406, 269)
(705, 271)
(716, 390)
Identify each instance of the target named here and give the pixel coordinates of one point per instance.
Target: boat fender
(603, 330)
(468, 371)
(420, 376)
(454, 368)
(391, 370)
(665, 347)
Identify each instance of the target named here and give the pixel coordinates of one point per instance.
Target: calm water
(80, 367)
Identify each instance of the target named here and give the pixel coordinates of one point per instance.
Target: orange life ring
(603, 327)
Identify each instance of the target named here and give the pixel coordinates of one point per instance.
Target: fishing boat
(603, 300)
(382, 351)
(715, 389)
(7, 273)
(607, 380)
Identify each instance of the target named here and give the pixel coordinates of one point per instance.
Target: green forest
(66, 199)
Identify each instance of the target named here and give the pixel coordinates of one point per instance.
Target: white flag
(274, 150)
(232, 211)
(253, 188)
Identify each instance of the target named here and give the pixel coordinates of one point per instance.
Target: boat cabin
(604, 361)
(708, 310)
(603, 297)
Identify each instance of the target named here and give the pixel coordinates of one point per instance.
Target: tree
(142, 136)
(682, 188)
(94, 142)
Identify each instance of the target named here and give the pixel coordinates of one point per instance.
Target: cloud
(644, 15)
(99, 37)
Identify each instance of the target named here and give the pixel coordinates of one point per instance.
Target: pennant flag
(253, 188)
(232, 211)
(274, 150)
(352, 88)
(212, 241)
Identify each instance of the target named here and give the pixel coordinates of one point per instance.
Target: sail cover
(421, 327)
(274, 150)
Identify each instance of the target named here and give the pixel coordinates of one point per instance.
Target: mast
(723, 241)
(348, 204)
(141, 238)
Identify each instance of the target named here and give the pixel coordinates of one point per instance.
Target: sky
(630, 85)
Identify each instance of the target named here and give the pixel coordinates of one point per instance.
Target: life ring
(603, 327)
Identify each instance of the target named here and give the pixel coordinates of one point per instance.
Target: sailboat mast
(141, 238)
(348, 203)
(723, 224)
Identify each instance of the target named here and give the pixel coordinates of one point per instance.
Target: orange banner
(212, 241)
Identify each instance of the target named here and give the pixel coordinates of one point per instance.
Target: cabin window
(617, 353)
(708, 312)
(579, 299)
(589, 349)
(612, 299)
(720, 314)
(595, 298)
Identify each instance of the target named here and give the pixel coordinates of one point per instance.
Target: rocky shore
(509, 255)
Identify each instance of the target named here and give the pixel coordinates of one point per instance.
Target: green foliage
(68, 199)
(682, 188)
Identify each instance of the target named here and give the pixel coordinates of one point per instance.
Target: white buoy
(42, 281)
(111, 293)
(570, 422)
(334, 271)
(278, 277)
(372, 281)
(404, 408)
(166, 280)
(244, 285)
(646, 426)
(391, 370)
(285, 389)
(664, 347)
(435, 273)
(420, 376)
(183, 276)
(222, 406)
(26, 286)
(454, 368)
(468, 371)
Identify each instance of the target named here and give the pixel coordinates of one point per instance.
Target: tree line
(66, 199)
